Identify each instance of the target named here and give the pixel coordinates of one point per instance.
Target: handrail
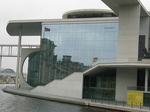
(136, 88)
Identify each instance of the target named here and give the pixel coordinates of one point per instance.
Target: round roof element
(88, 13)
(6, 70)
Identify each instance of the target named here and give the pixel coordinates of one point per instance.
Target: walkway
(84, 102)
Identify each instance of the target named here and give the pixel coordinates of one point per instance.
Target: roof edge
(114, 5)
(85, 11)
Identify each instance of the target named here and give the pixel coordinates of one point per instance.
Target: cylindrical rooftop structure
(88, 13)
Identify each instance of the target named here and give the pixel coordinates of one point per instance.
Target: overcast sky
(40, 9)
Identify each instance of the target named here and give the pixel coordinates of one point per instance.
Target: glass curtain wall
(33, 69)
(68, 48)
(101, 85)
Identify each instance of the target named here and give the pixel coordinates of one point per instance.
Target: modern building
(99, 54)
(7, 75)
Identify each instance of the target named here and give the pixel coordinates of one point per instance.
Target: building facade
(73, 46)
(90, 53)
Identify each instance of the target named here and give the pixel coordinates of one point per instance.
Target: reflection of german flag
(95, 59)
(46, 29)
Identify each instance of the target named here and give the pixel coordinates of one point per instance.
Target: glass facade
(72, 47)
(92, 15)
(100, 85)
(68, 48)
(33, 69)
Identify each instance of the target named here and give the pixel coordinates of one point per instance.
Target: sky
(39, 9)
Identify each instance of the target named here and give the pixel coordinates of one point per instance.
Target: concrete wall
(24, 54)
(125, 77)
(70, 86)
(129, 26)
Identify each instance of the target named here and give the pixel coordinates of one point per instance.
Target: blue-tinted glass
(82, 45)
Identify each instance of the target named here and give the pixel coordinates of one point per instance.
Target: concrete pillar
(125, 77)
(146, 79)
(128, 35)
(18, 58)
(1, 50)
(0, 62)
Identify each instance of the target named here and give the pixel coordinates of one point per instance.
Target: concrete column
(0, 62)
(1, 50)
(128, 35)
(125, 77)
(146, 79)
(18, 58)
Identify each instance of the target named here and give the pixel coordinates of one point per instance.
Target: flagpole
(45, 30)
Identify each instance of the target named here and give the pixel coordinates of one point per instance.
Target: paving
(84, 102)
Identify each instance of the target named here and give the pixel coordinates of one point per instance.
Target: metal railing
(137, 88)
(119, 104)
(11, 50)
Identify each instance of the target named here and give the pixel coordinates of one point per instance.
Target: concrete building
(89, 53)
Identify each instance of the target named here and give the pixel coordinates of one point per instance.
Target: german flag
(47, 29)
(95, 59)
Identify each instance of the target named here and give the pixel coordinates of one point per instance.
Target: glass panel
(68, 48)
(33, 69)
(101, 85)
